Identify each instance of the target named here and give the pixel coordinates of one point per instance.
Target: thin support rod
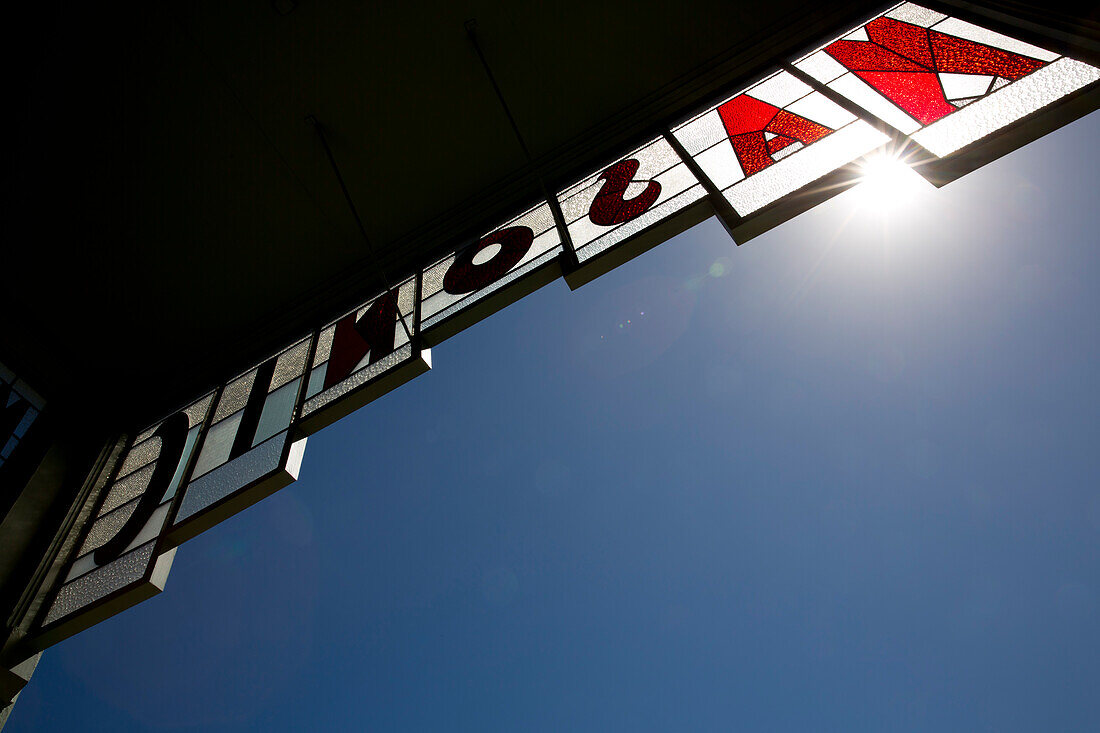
(358, 220)
(471, 33)
(555, 209)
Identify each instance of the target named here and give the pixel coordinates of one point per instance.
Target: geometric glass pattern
(945, 82)
(501, 259)
(247, 452)
(122, 557)
(772, 139)
(361, 356)
(624, 199)
(19, 406)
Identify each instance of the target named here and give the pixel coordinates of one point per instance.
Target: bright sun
(888, 183)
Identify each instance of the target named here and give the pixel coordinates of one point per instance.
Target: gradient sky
(841, 478)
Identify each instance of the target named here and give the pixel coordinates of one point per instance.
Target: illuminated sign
(955, 92)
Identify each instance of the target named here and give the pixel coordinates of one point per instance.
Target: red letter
(374, 332)
(609, 208)
(463, 276)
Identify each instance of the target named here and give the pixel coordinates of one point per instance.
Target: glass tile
(631, 228)
(239, 473)
(822, 67)
(636, 190)
(356, 380)
(804, 167)
(818, 108)
(196, 412)
(128, 488)
(218, 444)
(780, 90)
(101, 582)
(235, 395)
(290, 365)
(374, 331)
(944, 81)
(316, 380)
(185, 458)
(916, 15)
(500, 257)
(83, 564)
(763, 151)
(991, 113)
(278, 411)
(152, 528)
(141, 454)
(324, 345)
(107, 526)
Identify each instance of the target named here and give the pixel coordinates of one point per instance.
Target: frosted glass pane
(356, 380)
(720, 164)
(780, 90)
(804, 167)
(141, 454)
(290, 365)
(818, 108)
(391, 333)
(604, 242)
(316, 380)
(993, 112)
(235, 396)
(768, 151)
(277, 412)
(218, 444)
(916, 15)
(862, 94)
(629, 196)
(946, 82)
(101, 582)
(106, 527)
(128, 488)
(252, 466)
(535, 230)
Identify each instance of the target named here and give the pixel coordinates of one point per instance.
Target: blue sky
(843, 477)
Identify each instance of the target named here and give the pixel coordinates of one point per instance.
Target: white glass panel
(656, 161)
(916, 15)
(810, 164)
(101, 582)
(995, 111)
(862, 94)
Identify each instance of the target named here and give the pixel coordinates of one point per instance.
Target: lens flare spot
(888, 184)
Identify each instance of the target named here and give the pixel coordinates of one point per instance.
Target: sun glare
(888, 183)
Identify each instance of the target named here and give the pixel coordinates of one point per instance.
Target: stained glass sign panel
(122, 558)
(648, 192)
(773, 139)
(482, 277)
(247, 452)
(946, 82)
(361, 356)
